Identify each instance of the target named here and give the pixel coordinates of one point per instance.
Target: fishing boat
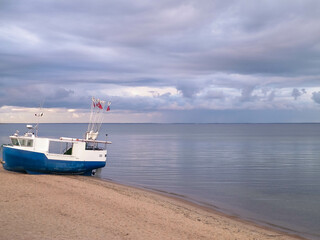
(38, 155)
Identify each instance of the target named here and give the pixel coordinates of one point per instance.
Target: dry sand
(77, 207)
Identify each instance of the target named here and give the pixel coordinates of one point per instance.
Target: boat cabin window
(29, 143)
(23, 142)
(14, 142)
(60, 147)
(93, 146)
(26, 142)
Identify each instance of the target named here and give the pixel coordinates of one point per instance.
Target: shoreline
(215, 210)
(78, 207)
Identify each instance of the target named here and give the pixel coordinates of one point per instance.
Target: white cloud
(18, 37)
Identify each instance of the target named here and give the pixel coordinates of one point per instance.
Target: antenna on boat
(38, 115)
(96, 118)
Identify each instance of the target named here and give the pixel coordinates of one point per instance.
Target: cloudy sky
(161, 61)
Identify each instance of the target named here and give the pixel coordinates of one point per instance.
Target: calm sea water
(268, 173)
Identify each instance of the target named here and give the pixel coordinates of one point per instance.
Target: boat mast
(96, 118)
(38, 115)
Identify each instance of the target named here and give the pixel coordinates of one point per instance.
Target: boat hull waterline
(19, 160)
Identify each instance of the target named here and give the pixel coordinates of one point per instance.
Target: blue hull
(37, 163)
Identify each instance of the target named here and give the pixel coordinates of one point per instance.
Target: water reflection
(265, 172)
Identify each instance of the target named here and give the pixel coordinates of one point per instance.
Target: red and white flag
(108, 108)
(98, 104)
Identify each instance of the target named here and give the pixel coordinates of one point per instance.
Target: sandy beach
(77, 207)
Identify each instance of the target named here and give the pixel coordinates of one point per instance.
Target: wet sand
(77, 207)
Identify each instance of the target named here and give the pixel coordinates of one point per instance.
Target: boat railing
(93, 145)
(84, 140)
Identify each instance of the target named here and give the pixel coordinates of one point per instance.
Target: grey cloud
(62, 93)
(279, 47)
(85, 45)
(16, 96)
(268, 94)
(271, 96)
(50, 96)
(296, 93)
(246, 94)
(155, 93)
(189, 88)
(146, 104)
(316, 97)
(149, 29)
(212, 94)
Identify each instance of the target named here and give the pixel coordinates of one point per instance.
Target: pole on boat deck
(96, 118)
